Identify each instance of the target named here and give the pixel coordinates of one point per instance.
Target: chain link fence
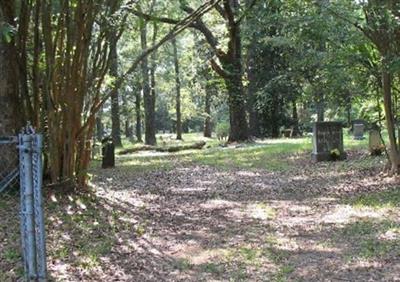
(9, 165)
(21, 173)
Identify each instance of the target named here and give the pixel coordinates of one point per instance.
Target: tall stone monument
(328, 141)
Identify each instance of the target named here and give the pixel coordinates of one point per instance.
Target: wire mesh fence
(9, 166)
(11, 266)
(21, 173)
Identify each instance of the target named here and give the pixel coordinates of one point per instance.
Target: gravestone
(287, 133)
(358, 121)
(108, 153)
(358, 131)
(375, 142)
(327, 138)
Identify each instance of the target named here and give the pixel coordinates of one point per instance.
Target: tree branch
(220, 10)
(176, 30)
(217, 68)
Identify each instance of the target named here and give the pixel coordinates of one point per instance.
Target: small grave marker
(108, 153)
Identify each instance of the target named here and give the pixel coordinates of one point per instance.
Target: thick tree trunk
(390, 124)
(178, 92)
(149, 101)
(237, 110)
(9, 118)
(254, 121)
(232, 63)
(115, 112)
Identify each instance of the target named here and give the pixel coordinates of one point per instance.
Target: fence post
(38, 206)
(27, 215)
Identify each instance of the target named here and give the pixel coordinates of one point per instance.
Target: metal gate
(23, 157)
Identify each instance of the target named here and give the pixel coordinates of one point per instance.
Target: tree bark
(149, 102)
(115, 109)
(9, 118)
(390, 124)
(320, 107)
(233, 67)
(237, 111)
(254, 121)
(296, 129)
(230, 67)
(99, 125)
(178, 92)
(138, 116)
(207, 109)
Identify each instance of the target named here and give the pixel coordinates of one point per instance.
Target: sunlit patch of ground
(256, 213)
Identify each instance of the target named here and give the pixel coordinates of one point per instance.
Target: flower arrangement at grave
(335, 154)
(377, 150)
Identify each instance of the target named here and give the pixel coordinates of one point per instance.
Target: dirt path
(197, 223)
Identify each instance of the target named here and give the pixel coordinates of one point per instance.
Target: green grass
(270, 154)
(368, 237)
(382, 199)
(183, 264)
(213, 268)
(11, 255)
(266, 155)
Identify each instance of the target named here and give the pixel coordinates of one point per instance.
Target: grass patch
(270, 154)
(212, 268)
(384, 199)
(283, 272)
(11, 255)
(183, 264)
(266, 155)
(371, 239)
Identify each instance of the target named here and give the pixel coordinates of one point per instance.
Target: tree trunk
(149, 102)
(275, 121)
(138, 117)
(348, 111)
(254, 121)
(128, 129)
(99, 126)
(390, 124)
(296, 129)
(115, 112)
(207, 110)
(232, 64)
(178, 93)
(237, 110)
(320, 107)
(9, 118)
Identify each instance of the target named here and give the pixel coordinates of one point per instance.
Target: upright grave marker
(358, 131)
(108, 153)
(376, 146)
(328, 141)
